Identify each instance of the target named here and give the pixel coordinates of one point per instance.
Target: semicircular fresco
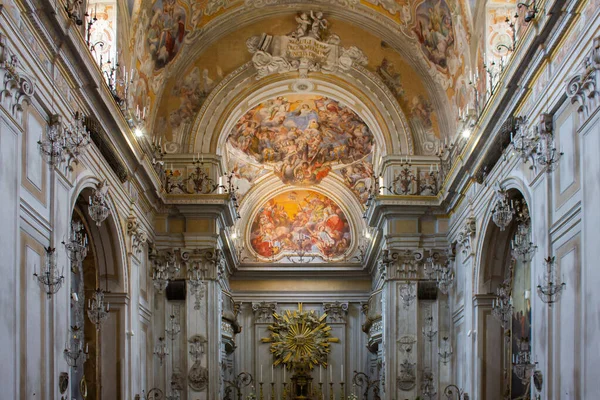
(300, 137)
(300, 222)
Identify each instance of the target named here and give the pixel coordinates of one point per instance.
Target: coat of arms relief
(308, 48)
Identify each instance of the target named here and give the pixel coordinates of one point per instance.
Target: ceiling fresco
(300, 222)
(301, 138)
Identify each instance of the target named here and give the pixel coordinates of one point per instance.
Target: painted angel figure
(303, 24)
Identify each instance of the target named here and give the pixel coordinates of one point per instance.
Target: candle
(272, 378)
(261, 376)
(284, 373)
(320, 377)
(331, 374)
(342, 374)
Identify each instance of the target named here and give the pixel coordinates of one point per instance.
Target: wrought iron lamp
(551, 290)
(97, 311)
(74, 353)
(49, 278)
(161, 350)
(522, 362)
(98, 207)
(502, 213)
(77, 242)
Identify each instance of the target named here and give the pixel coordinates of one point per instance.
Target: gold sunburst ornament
(300, 337)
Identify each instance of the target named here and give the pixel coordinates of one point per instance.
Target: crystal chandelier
(53, 145)
(77, 243)
(77, 137)
(174, 327)
(502, 307)
(551, 290)
(524, 143)
(97, 311)
(445, 350)
(62, 140)
(445, 277)
(428, 330)
(407, 294)
(522, 365)
(522, 247)
(75, 355)
(547, 155)
(49, 278)
(98, 207)
(503, 211)
(161, 350)
(160, 277)
(195, 277)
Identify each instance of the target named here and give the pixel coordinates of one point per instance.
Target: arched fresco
(300, 222)
(300, 137)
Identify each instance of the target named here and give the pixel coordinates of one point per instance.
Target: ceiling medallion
(302, 85)
(300, 338)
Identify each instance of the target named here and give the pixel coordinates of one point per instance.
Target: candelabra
(407, 294)
(97, 311)
(551, 290)
(160, 277)
(161, 350)
(428, 330)
(493, 72)
(502, 307)
(445, 351)
(522, 362)
(522, 247)
(49, 278)
(98, 207)
(547, 154)
(76, 244)
(74, 353)
(503, 211)
(509, 48)
(91, 20)
(174, 327)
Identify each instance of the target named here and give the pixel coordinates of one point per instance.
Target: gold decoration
(300, 337)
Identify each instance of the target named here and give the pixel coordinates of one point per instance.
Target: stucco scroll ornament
(263, 311)
(138, 236)
(466, 235)
(15, 87)
(308, 48)
(336, 311)
(582, 88)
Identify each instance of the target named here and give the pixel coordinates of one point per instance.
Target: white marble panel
(34, 163)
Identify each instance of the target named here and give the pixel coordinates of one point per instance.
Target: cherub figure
(319, 24)
(303, 24)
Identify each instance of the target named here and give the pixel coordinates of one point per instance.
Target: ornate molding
(263, 311)
(336, 312)
(138, 236)
(304, 50)
(466, 235)
(582, 88)
(16, 87)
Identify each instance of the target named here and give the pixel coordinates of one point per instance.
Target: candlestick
(330, 390)
(272, 390)
(285, 393)
(342, 394)
(320, 391)
(262, 397)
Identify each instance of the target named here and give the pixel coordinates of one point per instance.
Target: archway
(100, 267)
(503, 274)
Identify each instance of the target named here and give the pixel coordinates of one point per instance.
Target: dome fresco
(301, 138)
(300, 222)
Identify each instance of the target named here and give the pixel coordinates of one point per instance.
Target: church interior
(299, 199)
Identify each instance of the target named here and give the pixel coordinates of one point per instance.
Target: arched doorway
(504, 275)
(98, 371)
